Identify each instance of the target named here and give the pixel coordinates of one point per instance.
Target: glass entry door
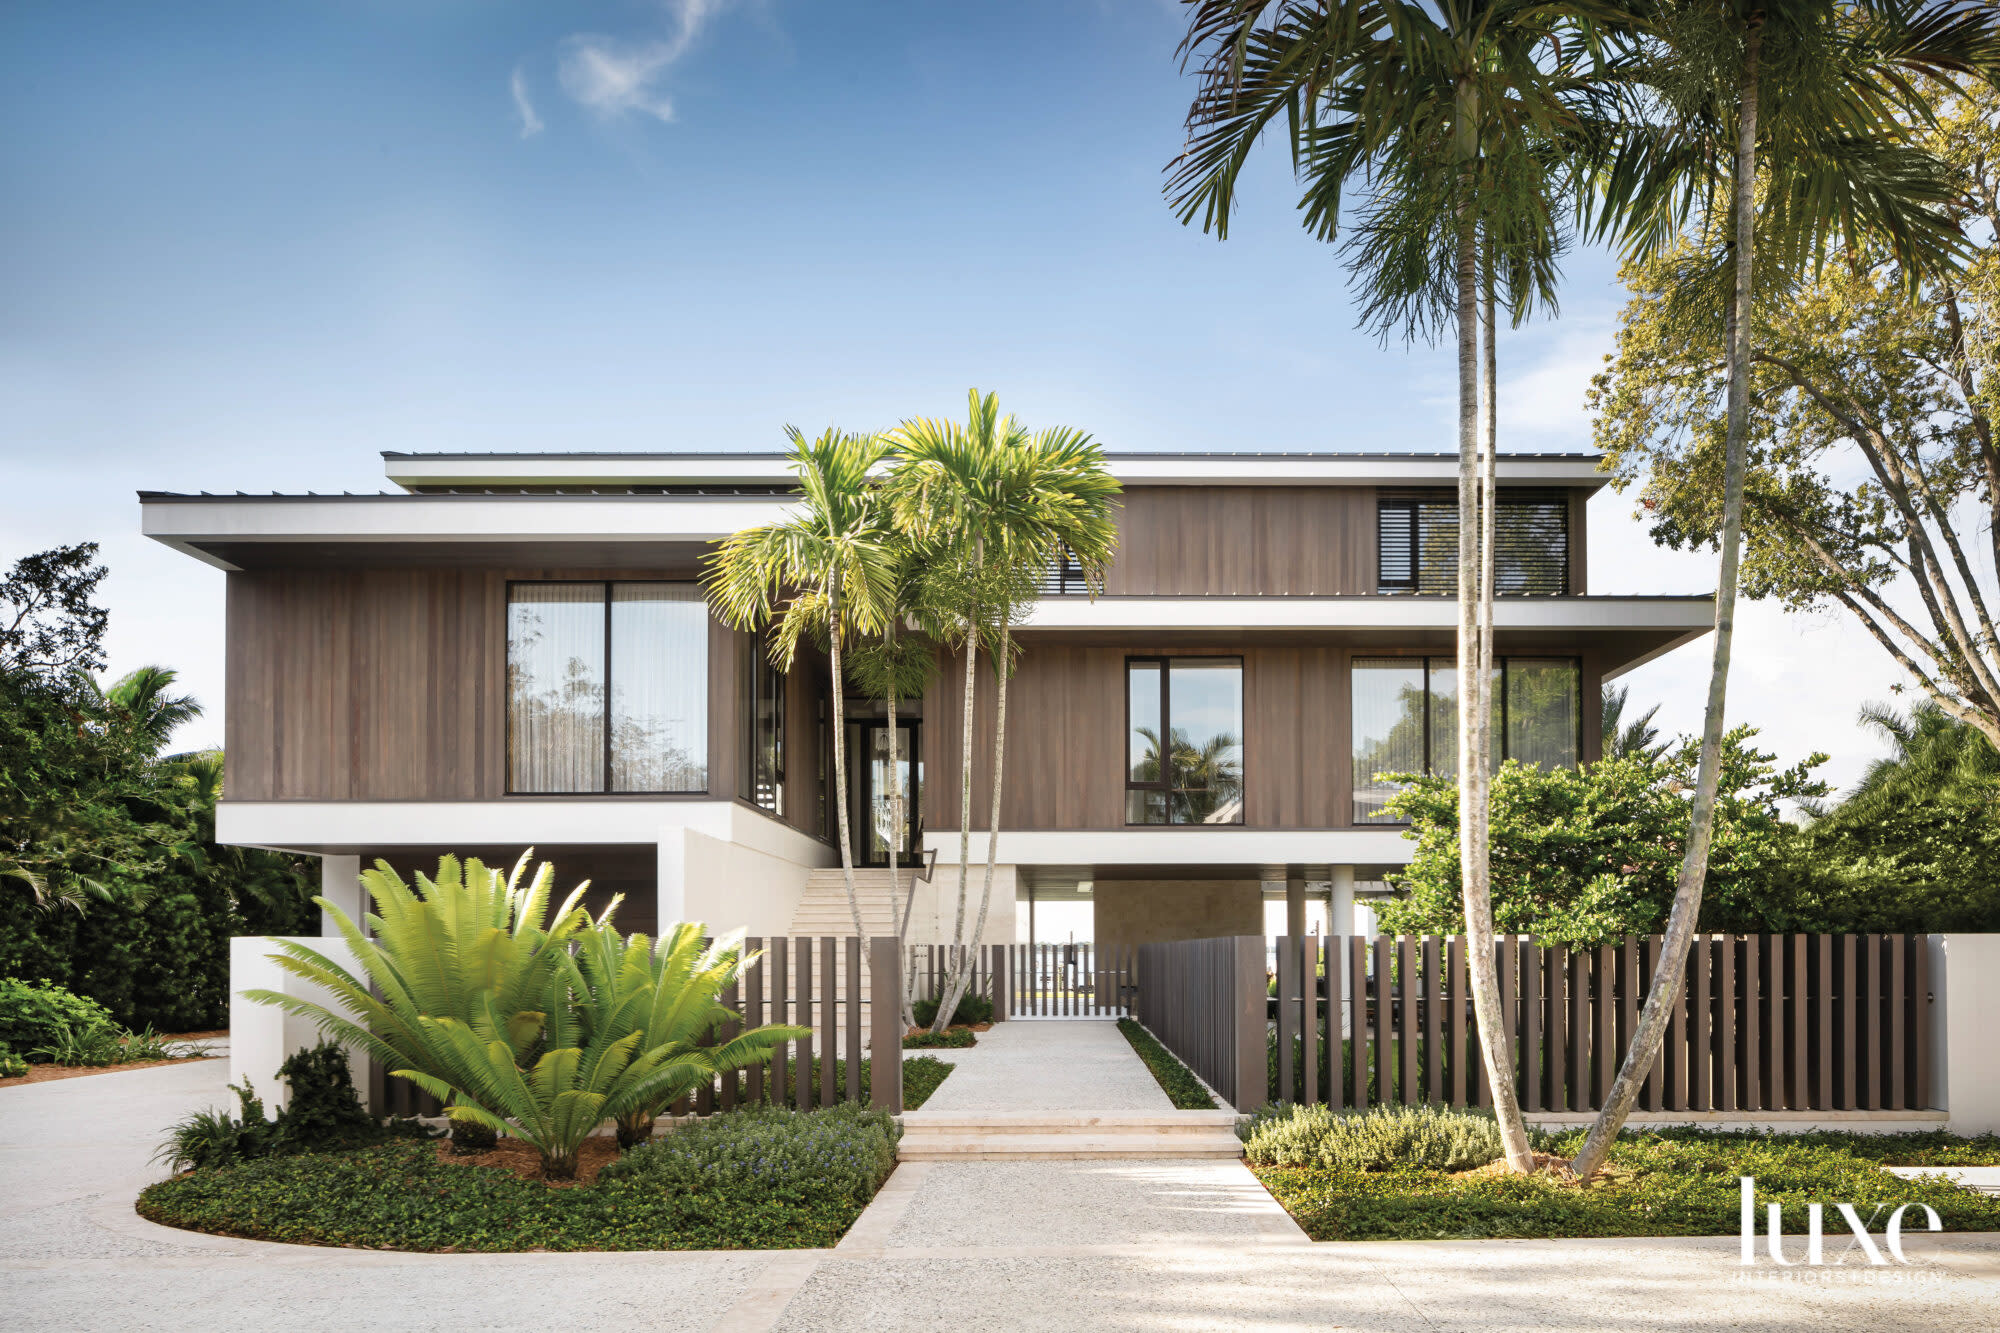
(873, 818)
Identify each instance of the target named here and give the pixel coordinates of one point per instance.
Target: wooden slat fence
(1078, 980)
(1765, 1022)
(1204, 1000)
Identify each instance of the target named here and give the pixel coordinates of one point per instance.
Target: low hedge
(847, 1148)
(921, 1076)
(1382, 1138)
(950, 1039)
(971, 1009)
(1674, 1182)
(1183, 1089)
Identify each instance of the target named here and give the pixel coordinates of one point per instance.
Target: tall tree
(1792, 119)
(142, 700)
(825, 571)
(1637, 738)
(49, 624)
(1507, 95)
(1873, 472)
(995, 504)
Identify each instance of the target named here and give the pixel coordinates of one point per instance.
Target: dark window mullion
(606, 718)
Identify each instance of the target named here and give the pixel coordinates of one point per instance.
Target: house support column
(670, 883)
(340, 884)
(1340, 901)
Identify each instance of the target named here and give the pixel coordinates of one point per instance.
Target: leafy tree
(49, 625)
(1586, 855)
(1873, 478)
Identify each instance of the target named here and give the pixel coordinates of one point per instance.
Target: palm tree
(1789, 119)
(140, 699)
(1508, 94)
(831, 565)
(994, 503)
(1637, 739)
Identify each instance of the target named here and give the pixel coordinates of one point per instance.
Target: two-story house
(514, 650)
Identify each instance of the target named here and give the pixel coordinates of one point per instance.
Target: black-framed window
(1417, 543)
(767, 731)
(1184, 740)
(607, 688)
(1405, 720)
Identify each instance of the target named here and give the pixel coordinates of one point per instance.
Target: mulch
(516, 1156)
(46, 1073)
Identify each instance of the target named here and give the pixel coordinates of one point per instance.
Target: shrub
(33, 1015)
(949, 1039)
(1183, 1089)
(323, 1114)
(921, 1076)
(845, 1148)
(207, 1139)
(1383, 1138)
(12, 1065)
(971, 1009)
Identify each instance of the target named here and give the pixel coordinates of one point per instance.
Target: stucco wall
(1149, 911)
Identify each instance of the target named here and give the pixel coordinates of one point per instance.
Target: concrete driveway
(1136, 1245)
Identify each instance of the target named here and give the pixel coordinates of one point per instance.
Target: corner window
(1417, 544)
(1184, 740)
(767, 731)
(607, 688)
(1405, 714)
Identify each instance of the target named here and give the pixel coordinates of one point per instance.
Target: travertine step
(959, 1136)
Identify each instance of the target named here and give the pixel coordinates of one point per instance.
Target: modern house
(514, 650)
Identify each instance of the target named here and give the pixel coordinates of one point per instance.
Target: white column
(340, 884)
(1341, 902)
(263, 1036)
(671, 872)
(1965, 1064)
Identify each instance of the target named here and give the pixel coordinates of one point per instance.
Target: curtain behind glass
(659, 688)
(555, 687)
(1543, 711)
(1388, 731)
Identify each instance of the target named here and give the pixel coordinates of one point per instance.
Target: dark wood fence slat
(1385, 1022)
(1752, 1023)
(1556, 984)
(1408, 1034)
(1455, 971)
(1287, 1019)
(1898, 1045)
(1604, 1022)
(802, 1013)
(1922, 1014)
(1700, 1057)
(829, 1018)
(1433, 1032)
(1848, 980)
(1534, 1041)
(1309, 955)
(1656, 1077)
(855, 992)
(1357, 1006)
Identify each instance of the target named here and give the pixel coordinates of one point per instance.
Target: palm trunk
(1474, 699)
(904, 905)
(840, 766)
(962, 968)
(964, 787)
(1664, 995)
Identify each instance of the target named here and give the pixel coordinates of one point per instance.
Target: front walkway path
(1049, 1065)
(1129, 1245)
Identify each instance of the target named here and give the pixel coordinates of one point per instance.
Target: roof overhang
(1132, 469)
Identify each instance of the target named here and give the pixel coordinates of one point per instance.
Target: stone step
(989, 1147)
(1087, 1123)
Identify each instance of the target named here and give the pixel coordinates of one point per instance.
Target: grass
(1183, 1089)
(1674, 1182)
(401, 1197)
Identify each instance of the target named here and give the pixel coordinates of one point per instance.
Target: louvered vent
(1063, 576)
(1418, 544)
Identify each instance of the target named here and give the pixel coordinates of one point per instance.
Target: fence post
(1001, 996)
(1251, 1058)
(885, 1036)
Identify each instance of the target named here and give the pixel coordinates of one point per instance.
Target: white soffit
(1191, 845)
(1309, 613)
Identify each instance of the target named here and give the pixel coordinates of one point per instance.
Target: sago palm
(827, 570)
(671, 993)
(469, 945)
(1785, 125)
(996, 503)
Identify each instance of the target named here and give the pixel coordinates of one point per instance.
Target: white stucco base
(261, 1036)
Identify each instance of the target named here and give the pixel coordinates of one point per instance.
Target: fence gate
(1079, 980)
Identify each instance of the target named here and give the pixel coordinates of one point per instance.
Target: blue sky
(250, 246)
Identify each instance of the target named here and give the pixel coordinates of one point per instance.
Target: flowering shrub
(845, 1148)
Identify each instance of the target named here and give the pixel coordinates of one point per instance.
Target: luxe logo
(1774, 1235)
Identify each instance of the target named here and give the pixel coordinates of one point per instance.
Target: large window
(1406, 720)
(607, 688)
(1184, 740)
(1418, 544)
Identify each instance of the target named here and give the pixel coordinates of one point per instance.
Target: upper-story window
(1417, 543)
(1405, 714)
(607, 688)
(767, 731)
(1184, 740)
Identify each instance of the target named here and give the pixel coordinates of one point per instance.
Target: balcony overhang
(1190, 846)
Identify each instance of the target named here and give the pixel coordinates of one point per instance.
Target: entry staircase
(823, 910)
(949, 1136)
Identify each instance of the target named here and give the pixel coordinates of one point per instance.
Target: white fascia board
(1164, 469)
(457, 518)
(1188, 846)
(1313, 613)
(321, 826)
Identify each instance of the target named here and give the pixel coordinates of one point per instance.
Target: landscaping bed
(763, 1178)
(1672, 1182)
(1183, 1089)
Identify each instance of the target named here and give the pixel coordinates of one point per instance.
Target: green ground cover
(1676, 1182)
(1183, 1089)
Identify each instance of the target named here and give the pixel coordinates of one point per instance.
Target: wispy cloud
(531, 124)
(615, 76)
